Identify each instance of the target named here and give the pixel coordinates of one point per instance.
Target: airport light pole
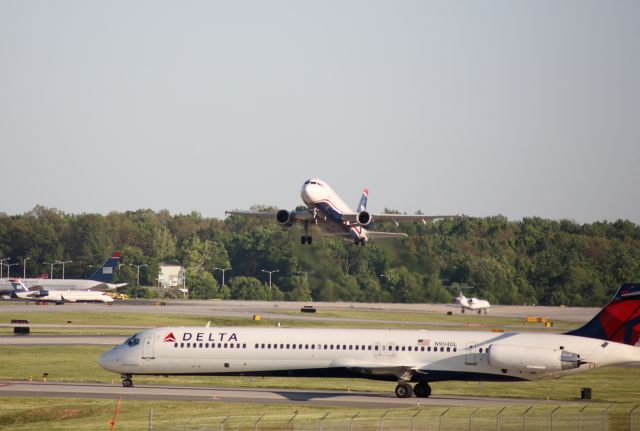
(223, 271)
(63, 262)
(9, 265)
(1, 265)
(51, 264)
(138, 276)
(270, 272)
(24, 267)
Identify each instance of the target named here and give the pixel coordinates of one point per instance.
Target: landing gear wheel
(403, 390)
(303, 240)
(356, 241)
(422, 390)
(462, 311)
(127, 383)
(309, 240)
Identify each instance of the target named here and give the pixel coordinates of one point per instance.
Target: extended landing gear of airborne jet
(306, 239)
(421, 390)
(126, 380)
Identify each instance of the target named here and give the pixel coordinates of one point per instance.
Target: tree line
(529, 261)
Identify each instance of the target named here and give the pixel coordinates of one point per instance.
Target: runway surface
(291, 310)
(260, 396)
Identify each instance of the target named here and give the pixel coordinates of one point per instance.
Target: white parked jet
(421, 356)
(99, 280)
(334, 217)
(471, 304)
(20, 291)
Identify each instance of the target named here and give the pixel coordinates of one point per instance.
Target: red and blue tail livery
(619, 321)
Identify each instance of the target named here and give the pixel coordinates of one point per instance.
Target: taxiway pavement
(247, 395)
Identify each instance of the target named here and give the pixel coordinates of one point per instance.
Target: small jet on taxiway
(333, 216)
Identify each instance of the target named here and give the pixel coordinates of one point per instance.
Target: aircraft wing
(401, 218)
(296, 216)
(373, 234)
(396, 218)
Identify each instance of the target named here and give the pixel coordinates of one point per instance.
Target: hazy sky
(480, 107)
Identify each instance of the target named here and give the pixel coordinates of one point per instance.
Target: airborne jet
(333, 216)
(403, 356)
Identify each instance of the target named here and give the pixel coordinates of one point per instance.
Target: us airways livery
(99, 280)
(333, 216)
(419, 356)
(20, 291)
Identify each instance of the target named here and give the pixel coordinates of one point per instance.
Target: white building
(170, 275)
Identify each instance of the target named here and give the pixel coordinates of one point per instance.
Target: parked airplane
(421, 356)
(99, 280)
(20, 291)
(471, 304)
(334, 217)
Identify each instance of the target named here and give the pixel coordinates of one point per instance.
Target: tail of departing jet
(619, 320)
(104, 274)
(362, 205)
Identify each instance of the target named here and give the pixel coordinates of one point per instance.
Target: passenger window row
(293, 346)
(213, 345)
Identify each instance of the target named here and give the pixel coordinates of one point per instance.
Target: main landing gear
(126, 380)
(421, 390)
(359, 241)
(306, 239)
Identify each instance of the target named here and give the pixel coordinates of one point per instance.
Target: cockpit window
(307, 182)
(132, 341)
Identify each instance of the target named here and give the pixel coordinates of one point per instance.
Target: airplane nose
(109, 360)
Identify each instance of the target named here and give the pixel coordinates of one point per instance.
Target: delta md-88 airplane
(420, 356)
(333, 216)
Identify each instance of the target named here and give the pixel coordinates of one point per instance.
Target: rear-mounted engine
(531, 359)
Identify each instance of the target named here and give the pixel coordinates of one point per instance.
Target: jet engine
(364, 218)
(284, 218)
(531, 359)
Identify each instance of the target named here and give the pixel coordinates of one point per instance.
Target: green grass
(27, 414)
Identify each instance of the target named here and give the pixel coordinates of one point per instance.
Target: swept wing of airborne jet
(99, 280)
(334, 217)
(420, 356)
(20, 291)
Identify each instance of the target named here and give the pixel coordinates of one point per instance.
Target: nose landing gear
(126, 380)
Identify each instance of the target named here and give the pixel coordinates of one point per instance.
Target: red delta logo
(170, 338)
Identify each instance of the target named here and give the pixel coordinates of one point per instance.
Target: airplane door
(471, 354)
(385, 349)
(147, 347)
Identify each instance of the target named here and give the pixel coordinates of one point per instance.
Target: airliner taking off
(99, 280)
(334, 217)
(420, 356)
(20, 291)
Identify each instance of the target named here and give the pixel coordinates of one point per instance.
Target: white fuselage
(318, 195)
(370, 353)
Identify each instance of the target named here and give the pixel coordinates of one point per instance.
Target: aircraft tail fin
(104, 274)
(18, 285)
(619, 320)
(362, 205)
